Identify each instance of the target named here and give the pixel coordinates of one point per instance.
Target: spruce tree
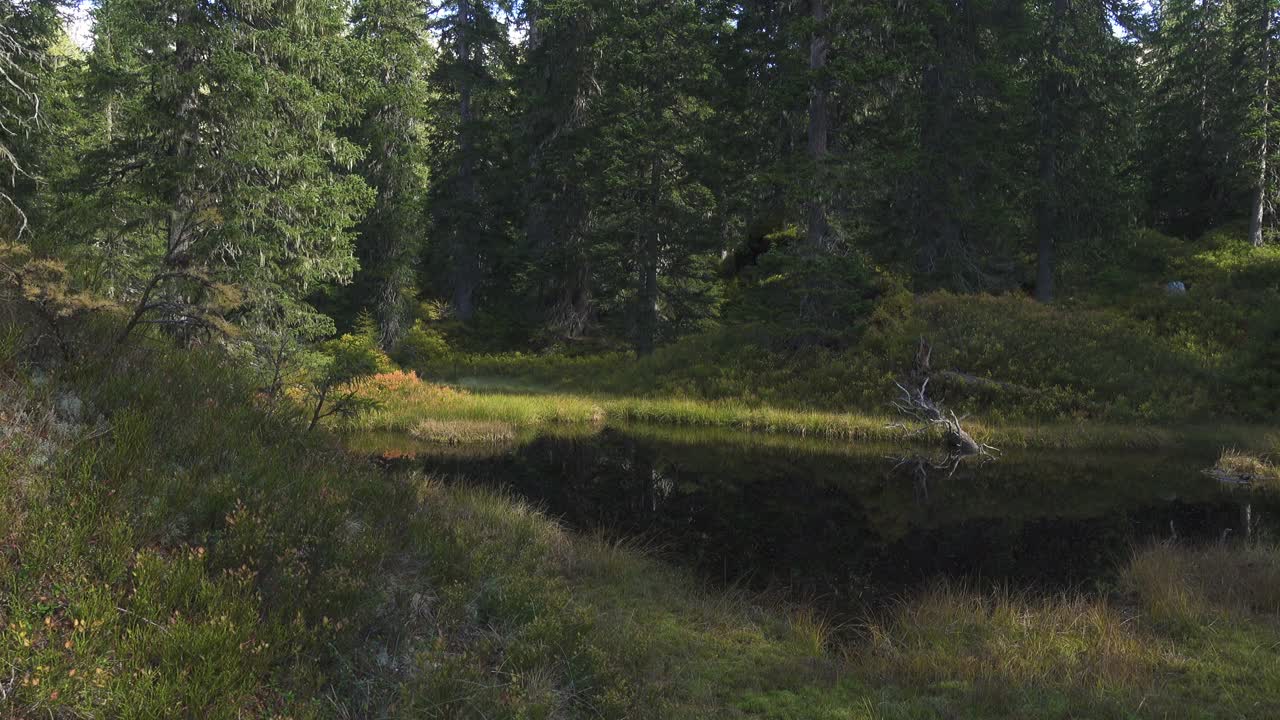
(224, 191)
(395, 51)
(656, 209)
(27, 29)
(470, 204)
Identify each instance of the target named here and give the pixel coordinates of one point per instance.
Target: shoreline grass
(1248, 469)
(406, 400)
(193, 554)
(460, 432)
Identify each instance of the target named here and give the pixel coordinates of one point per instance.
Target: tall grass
(1185, 589)
(1195, 633)
(1246, 468)
(1005, 640)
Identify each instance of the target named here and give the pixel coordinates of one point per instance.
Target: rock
(69, 407)
(1177, 287)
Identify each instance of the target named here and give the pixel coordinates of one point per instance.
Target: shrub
(335, 373)
(421, 346)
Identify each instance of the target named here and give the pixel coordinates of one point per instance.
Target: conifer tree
(27, 29)
(395, 49)
(222, 187)
(470, 208)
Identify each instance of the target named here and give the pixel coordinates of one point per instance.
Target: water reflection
(848, 524)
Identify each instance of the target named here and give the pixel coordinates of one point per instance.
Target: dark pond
(843, 524)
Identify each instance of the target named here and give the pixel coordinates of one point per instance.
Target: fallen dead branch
(929, 414)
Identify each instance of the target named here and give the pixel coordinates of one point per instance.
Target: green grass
(405, 403)
(173, 547)
(1115, 349)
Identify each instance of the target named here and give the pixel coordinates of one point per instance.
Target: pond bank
(406, 401)
(173, 547)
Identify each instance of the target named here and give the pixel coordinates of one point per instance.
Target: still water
(846, 525)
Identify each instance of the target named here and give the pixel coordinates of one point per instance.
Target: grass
(1116, 349)
(462, 432)
(172, 547)
(405, 402)
(1189, 636)
(1003, 646)
(1192, 637)
(1246, 468)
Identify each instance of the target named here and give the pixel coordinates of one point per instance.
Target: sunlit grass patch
(405, 401)
(1238, 467)
(461, 432)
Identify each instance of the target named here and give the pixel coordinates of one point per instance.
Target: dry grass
(463, 432)
(948, 635)
(1247, 469)
(1184, 588)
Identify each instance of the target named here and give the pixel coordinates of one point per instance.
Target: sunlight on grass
(405, 402)
(461, 432)
(1238, 467)
(149, 567)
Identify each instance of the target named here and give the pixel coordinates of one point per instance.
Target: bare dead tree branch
(928, 415)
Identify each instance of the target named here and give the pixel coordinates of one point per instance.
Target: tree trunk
(316, 416)
(1046, 217)
(1257, 213)
(180, 202)
(391, 258)
(465, 254)
(647, 322)
(819, 230)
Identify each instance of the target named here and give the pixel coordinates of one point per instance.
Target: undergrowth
(405, 403)
(172, 546)
(1127, 351)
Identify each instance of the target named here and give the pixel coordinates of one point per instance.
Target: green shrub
(806, 296)
(422, 345)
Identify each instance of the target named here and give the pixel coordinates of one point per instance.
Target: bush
(335, 372)
(806, 297)
(422, 345)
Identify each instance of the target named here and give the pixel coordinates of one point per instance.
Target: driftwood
(916, 405)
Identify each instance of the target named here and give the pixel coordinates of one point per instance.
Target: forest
(639, 358)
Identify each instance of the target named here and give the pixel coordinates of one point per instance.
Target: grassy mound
(171, 549)
(1127, 351)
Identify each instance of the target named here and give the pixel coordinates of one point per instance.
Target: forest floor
(171, 546)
